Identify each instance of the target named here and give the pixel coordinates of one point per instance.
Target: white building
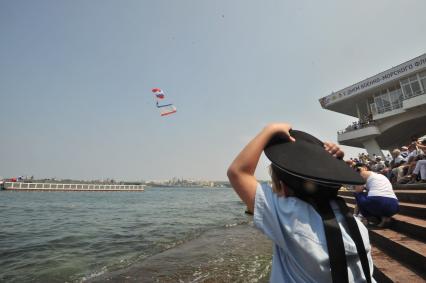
(390, 107)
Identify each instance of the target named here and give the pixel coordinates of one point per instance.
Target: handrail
(357, 126)
(360, 125)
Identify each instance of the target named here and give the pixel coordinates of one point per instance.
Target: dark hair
(303, 188)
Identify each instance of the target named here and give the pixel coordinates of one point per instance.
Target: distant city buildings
(176, 182)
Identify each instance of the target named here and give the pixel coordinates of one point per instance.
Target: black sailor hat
(307, 159)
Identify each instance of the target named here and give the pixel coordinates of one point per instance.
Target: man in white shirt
(380, 201)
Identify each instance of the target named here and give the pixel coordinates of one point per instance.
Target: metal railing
(395, 104)
(411, 95)
(378, 110)
(356, 126)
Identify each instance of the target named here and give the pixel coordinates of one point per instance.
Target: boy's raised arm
(241, 171)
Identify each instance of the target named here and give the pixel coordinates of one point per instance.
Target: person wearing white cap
(404, 152)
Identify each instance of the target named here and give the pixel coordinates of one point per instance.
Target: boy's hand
(280, 128)
(334, 150)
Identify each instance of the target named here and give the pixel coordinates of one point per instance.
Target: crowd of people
(376, 201)
(405, 165)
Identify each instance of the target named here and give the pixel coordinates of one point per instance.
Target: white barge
(21, 186)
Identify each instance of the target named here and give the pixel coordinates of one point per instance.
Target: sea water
(160, 235)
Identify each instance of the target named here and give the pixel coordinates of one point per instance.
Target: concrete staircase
(399, 252)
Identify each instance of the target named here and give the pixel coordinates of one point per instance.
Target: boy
(315, 237)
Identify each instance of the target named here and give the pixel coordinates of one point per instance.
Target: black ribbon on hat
(333, 235)
(319, 197)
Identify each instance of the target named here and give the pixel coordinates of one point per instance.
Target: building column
(372, 147)
(358, 112)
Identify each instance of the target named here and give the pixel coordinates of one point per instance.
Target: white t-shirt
(379, 186)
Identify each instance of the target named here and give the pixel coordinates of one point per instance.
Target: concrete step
(410, 226)
(388, 270)
(407, 251)
(399, 253)
(405, 208)
(417, 186)
(412, 209)
(411, 196)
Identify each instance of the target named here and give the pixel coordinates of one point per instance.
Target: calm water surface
(160, 235)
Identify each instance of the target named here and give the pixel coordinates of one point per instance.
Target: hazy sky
(75, 79)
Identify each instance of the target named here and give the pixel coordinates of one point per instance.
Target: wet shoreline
(235, 254)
